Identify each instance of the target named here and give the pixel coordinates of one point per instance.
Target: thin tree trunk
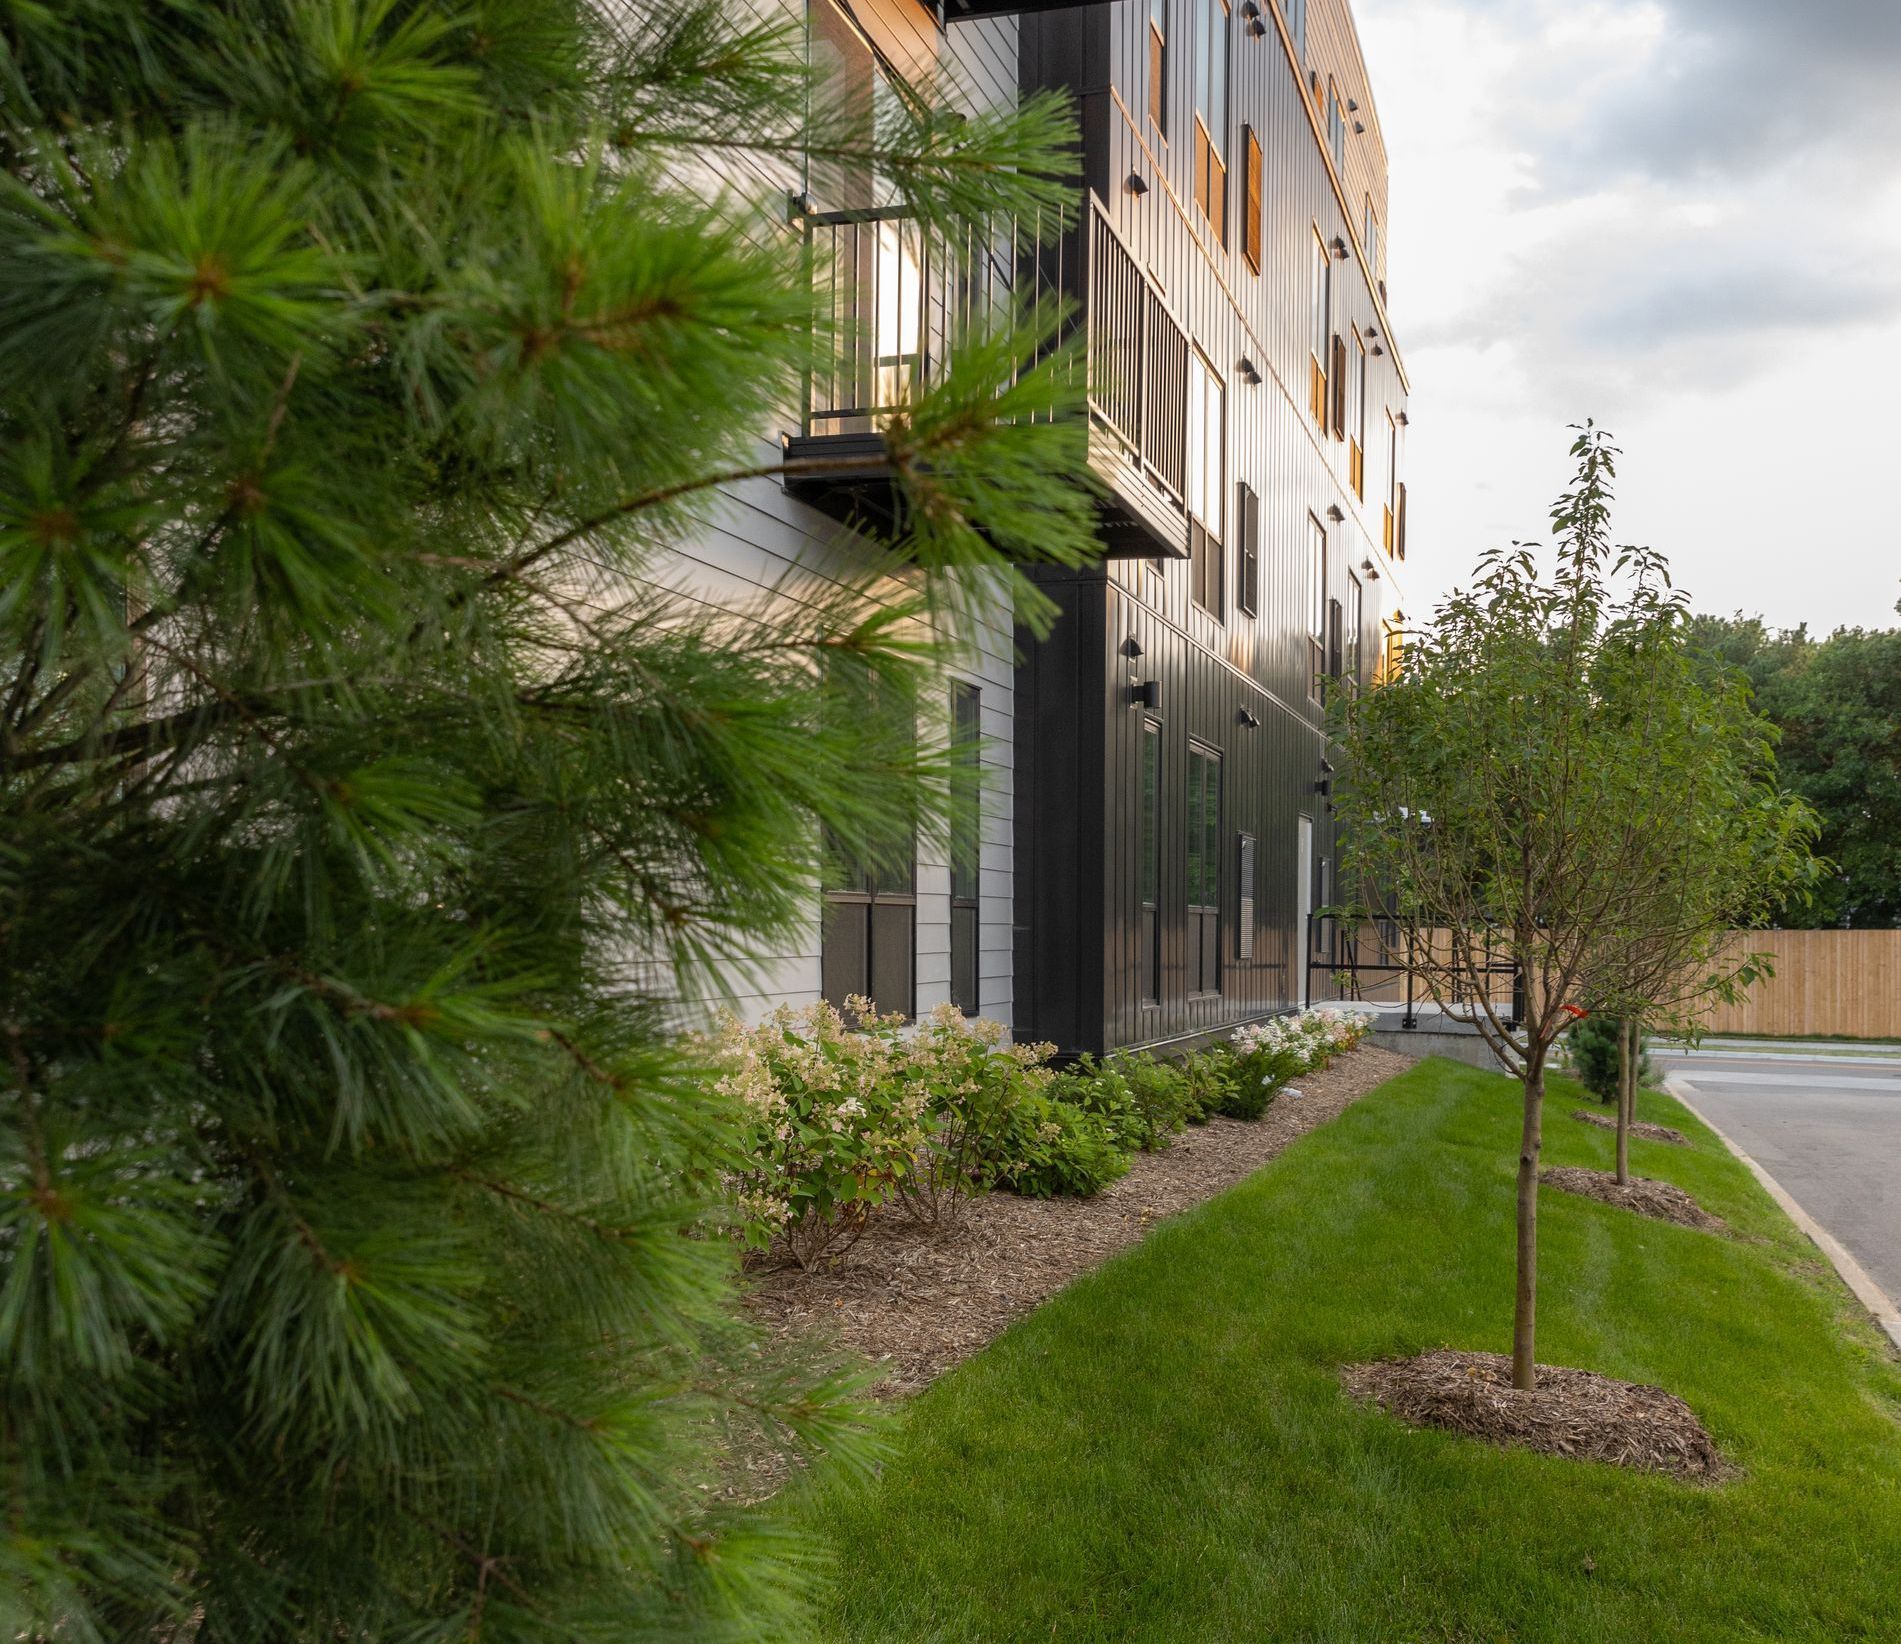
(1525, 1312)
(1626, 1094)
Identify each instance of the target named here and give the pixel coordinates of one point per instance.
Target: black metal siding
(1079, 732)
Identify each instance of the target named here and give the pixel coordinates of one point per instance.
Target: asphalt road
(1828, 1128)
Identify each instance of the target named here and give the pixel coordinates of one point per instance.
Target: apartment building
(1158, 828)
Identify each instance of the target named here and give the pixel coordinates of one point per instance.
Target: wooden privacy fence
(1837, 982)
(1845, 982)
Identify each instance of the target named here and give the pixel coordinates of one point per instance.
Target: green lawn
(1163, 1453)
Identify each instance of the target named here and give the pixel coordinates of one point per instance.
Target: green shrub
(837, 1120)
(1055, 1149)
(1213, 1079)
(1145, 1101)
(1266, 1055)
(1592, 1047)
(1163, 1093)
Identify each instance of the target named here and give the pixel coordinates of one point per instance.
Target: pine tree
(362, 803)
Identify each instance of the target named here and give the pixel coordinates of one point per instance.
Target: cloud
(1735, 86)
(1682, 217)
(1658, 195)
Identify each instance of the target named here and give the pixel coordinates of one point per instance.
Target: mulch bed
(1574, 1413)
(1638, 1127)
(916, 1301)
(1661, 1200)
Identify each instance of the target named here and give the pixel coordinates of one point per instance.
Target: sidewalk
(1875, 1052)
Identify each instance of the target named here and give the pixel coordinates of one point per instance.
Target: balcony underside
(847, 477)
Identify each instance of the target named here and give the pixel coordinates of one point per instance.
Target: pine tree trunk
(1525, 1313)
(1626, 1094)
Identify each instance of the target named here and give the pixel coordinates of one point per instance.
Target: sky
(1682, 219)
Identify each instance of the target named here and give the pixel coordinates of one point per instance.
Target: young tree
(1532, 781)
(362, 802)
(1718, 850)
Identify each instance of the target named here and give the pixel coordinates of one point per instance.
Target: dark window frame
(1318, 552)
(1207, 538)
(1202, 835)
(966, 850)
(1148, 869)
(1247, 514)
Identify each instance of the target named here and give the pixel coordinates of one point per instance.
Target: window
(1247, 528)
(1206, 485)
(1203, 834)
(1158, 66)
(1399, 529)
(1370, 239)
(1295, 14)
(1389, 520)
(1211, 115)
(1244, 901)
(1356, 417)
(1355, 615)
(1316, 604)
(1336, 128)
(1319, 327)
(1148, 867)
(1391, 644)
(868, 928)
(1338, 383)
(966, 844)
(1251, 198)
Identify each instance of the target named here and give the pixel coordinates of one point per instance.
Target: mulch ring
(1574, 1413)
(1638, 1127)
(1659, 1200)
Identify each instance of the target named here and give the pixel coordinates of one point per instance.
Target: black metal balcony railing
(1138, 364)
(896, 295)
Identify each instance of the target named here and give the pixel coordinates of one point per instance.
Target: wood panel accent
(1845, 982)
(1839, 983)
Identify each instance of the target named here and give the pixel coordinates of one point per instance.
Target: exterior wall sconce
(1334, 514)
(1377, 350)
(1246, 367)
(1358, 128)
(1339, 247)
(1136, 186)
(1402, 419)
(1246, 717)
(1353, 105)
(1324, 786)
(798, 206)
(1257, 28)
(1372, 571)
(1146, 695)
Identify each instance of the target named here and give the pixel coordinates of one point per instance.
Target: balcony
(894, 295)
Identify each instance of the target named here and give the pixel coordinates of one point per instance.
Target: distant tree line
(1837, 703)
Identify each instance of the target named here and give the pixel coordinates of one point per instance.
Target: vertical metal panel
(1214, 674)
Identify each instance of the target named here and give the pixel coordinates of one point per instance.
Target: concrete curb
(1854, 1275)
